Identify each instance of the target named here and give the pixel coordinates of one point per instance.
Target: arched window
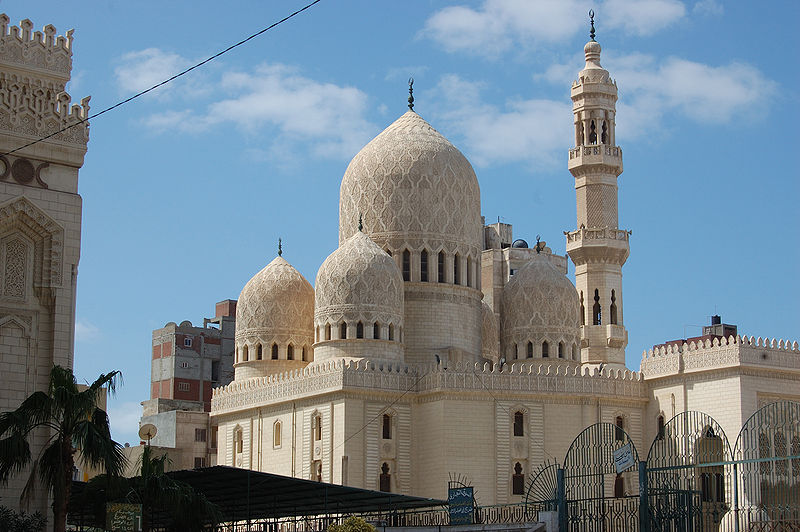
(406, 265)
(619, 430)
(574, 352)
(456, 269)
(343, 331)
(604, 133)
(441, 267)
(304, 354)
(386, 427)
(327, 331)
(423, 266)
(274, 351)
(276, 434)
(244, 354)
(613, 314)
(316, 427)
(385, 479)
(259, 352)
(359, 330)
(583, 311)
(660, 426)
(238, 440)
(391, 332)
(530, 349)
(560, 349)
(376, 331)
(469, 271)
(518, 480)
(545, 349)
(290, 352)
(619, 486)
(596, 319)
(519, 424)
(317, 334)
(592, 133)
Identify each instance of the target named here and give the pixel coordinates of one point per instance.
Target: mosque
(433, 346)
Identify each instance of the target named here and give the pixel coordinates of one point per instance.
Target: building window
(238, 440)
(613, 308)
(199, 461)
(328, 331)
(183, 387)
(214, 437)
(200, 435)
(545, 349)
(583, 311)
(214, 370)
(441, 267)
(187, 342)
(343, 331)
(359, 330)
(574, 352)
(423, 266)
(244, 354)
(304, 354)
(518, 480)
(660, 425)
(290, 352)
(519, 424)
(457, 269)
(530, 349)
(316, 427)
(560, 349)
(406, 265)
(385, 479)
(387, 427)
(259, 352)
(276, 434)
(274, 351)
(619, 428)
(596, 317)
(184, 364)
(469, 271)
(376, 331)
(391, 332)
(619, 486)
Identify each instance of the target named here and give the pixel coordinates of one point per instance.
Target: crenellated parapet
(419, 383)
(34, 69)
(718, 353)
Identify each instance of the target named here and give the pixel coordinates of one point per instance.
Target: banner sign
(123, 517)
(623, 458)
(461, 505)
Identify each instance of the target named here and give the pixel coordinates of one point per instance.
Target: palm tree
(72, 421)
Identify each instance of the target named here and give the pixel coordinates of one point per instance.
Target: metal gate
(595, 496)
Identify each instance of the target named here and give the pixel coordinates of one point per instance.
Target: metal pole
(735, 498)
(561, 497)
(644, 509)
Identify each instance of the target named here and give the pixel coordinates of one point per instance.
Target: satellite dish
(147, 432)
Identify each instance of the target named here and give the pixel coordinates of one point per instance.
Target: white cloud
(277, 97)
(708, 7)
(142, 69)
(124, 418)
(86, 331)
(500, 25)
(522, 130)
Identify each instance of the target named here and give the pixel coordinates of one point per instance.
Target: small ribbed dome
(411, 184)
(539, 304)
(275, 308)
(359, 281)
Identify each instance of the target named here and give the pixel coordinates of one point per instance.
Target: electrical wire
(157, 85)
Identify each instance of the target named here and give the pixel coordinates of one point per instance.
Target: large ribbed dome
(274, 319)
(359, 281)
(413, 187)
(539, 304)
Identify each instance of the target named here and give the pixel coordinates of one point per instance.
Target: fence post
(561, 498)
(644, 503)
(735, 498)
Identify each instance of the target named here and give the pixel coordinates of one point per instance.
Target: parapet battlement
(43, 50)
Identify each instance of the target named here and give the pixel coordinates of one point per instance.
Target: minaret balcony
(602, 244)
(596, 154)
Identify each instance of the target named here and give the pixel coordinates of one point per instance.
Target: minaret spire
(598, 247)
(411, 93)
(280, 248)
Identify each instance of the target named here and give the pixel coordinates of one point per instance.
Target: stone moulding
(334, 375)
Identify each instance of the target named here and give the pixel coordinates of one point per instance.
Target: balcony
(596, 154)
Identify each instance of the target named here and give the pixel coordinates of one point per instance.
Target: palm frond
(93, 438)
(15, 454)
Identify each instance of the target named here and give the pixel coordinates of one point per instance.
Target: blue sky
(187, 190)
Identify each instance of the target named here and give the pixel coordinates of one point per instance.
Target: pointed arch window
(604, 133)
(574, 352)
(304, 354)
(441, 267)
(359, 330)
(545, 349)
(613, 313)
(376, 331)
(274, 351)
(290, 352)
(619, 428)
(385, 479)
(391, 332)
(560, 349)
(276, 434)
(244, 354)
(530, 349)
(518, 480)
(406, 265)
(259, 352)
(457, 269)
(519, 424)
(386, 427)
(596, 318)
(660, 427)
(238, 440)
(592, 133)
(327, 331)
(316, 427)
(317, 333)
(423, 266)
(343, 331)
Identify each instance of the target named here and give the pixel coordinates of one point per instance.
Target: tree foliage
(352, 524)
(70, 420)
(11, 521)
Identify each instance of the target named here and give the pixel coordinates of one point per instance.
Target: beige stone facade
(40, 215)
(442, 347)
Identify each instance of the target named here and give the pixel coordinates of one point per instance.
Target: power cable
(176, 76)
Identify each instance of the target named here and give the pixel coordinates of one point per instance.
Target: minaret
(598, 247)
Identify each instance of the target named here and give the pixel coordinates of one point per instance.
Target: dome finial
(538, 244)
(280, 248)
(360, 223)
(591, 22)
(411, 93)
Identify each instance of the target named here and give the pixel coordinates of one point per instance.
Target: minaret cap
(592, 48)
